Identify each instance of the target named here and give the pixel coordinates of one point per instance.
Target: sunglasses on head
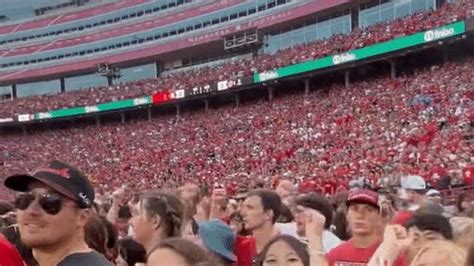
(51, 203)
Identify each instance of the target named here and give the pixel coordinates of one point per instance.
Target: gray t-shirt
(90, 259)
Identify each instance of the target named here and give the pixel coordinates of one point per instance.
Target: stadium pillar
(110, 80)
(439, 3)
(97, 121)
(149, 113)
(23, 128)
(178, 109)
(393, 69)
(445, 55)
(306, 87)
(158, 68)
(237, 100)
(355, 18)
(63, 85)
(206, 105)
(14, 91)
(270, 94)
(347, 76)
(122, 116)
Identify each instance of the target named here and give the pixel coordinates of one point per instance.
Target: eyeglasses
(51, 203)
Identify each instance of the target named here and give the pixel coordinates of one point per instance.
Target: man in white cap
(434, 196)
(412, 194)
(413, 189)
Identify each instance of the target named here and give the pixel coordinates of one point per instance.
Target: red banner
(161, 97)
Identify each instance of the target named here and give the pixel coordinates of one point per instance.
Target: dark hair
(293, 242)
(432, 222)
(96, 235)
(168, 207)
(112, 233)
(6, 207)
(270, 201)
(191, 252)
(285, 215)
(319, 203)
(340, 224)
(131, 251)
(124, 212)
(242, 190)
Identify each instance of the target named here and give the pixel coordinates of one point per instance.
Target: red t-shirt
(244, 250)
(402, 217)
(9, 256)
(468, 174)
(347, 255)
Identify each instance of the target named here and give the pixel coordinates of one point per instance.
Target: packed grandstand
(401, 114)
(330, 95)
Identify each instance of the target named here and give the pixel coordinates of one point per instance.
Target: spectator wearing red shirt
(367, 225)
(468, 175)
(260, 210)
(9, 256)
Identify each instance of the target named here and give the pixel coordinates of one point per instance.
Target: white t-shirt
(330, 240)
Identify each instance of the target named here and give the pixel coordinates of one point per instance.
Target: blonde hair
(455, 254)
(462, 226)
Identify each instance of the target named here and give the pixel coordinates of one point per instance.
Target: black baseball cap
(63, 178)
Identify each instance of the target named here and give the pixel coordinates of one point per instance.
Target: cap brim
(20, 183)
(218, 249)
(215, 247)
(363, 202)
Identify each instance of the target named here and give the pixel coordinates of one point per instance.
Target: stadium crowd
(376, 130)
(194, 225)
(449, 12)
(342, 176)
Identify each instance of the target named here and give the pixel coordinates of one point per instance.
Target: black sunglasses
(51, 203)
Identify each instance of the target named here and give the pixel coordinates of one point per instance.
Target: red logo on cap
(63, 172)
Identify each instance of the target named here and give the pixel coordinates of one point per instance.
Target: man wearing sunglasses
(53, 207)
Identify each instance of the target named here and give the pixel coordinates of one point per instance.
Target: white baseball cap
(413, 182)
(433, 193)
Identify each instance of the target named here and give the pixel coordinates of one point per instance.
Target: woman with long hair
(159, 216)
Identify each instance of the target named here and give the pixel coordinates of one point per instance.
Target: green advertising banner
(353, 55)
(94, 108)
(369, 51)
